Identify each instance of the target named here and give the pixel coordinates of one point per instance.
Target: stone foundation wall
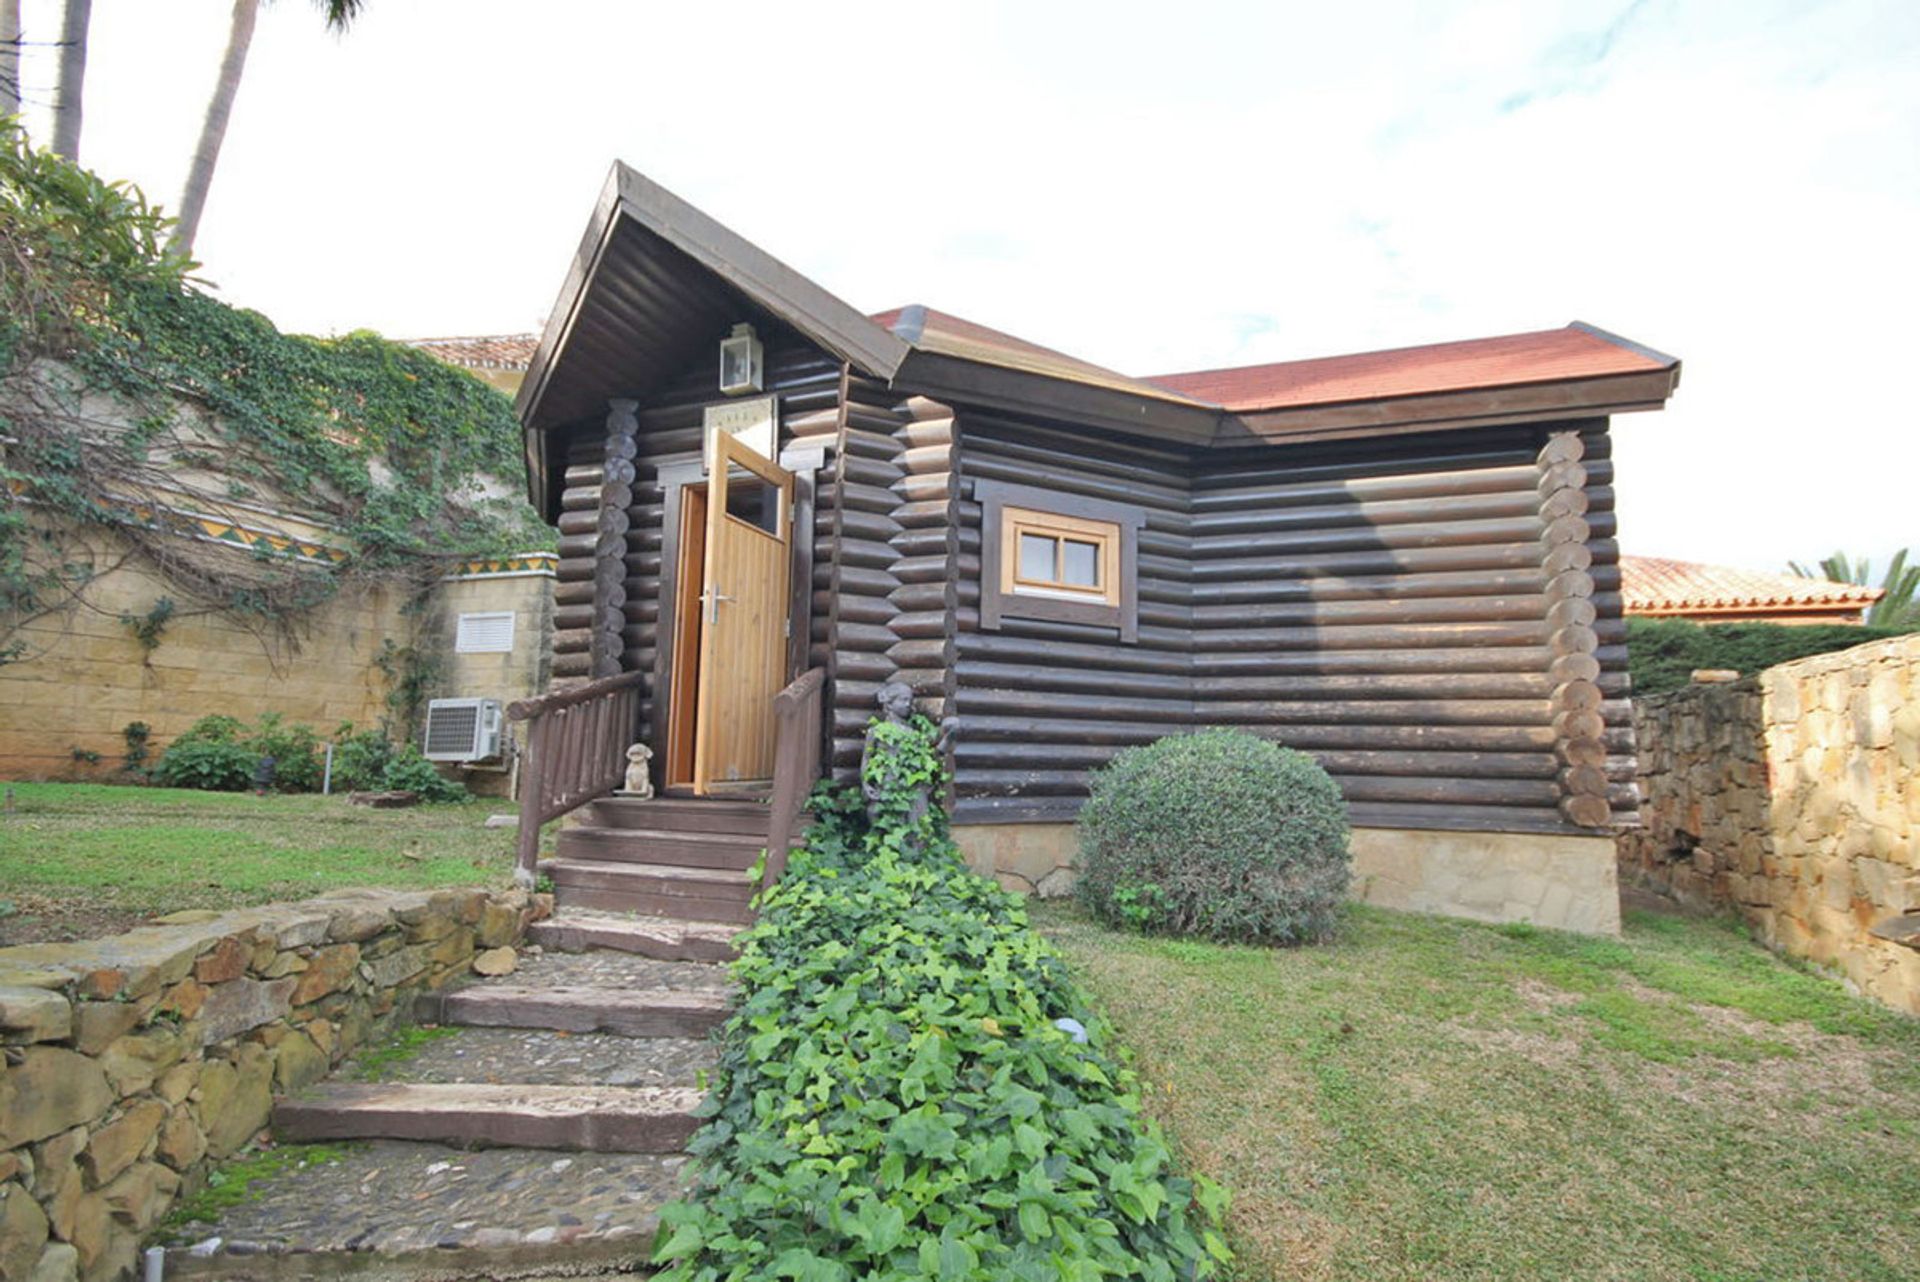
(1793, 798)
(134, 1062)
(1564, 882)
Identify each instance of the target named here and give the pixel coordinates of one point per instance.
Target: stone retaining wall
(134, 1062)
(1793, 798)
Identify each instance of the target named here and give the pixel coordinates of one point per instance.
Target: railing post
(532, 802)
(796, 764)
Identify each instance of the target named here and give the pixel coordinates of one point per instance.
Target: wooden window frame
(1006, 508)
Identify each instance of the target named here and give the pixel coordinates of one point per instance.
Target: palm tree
(73, 75)
(9, 57)
(213, 133)
(1899, 608)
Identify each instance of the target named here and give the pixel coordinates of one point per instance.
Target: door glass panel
(751, 499)
(1080, 564)
(1036, 557)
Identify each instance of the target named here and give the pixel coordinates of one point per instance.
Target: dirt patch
(1542, 998)
(1537, 1049)
(37, 919)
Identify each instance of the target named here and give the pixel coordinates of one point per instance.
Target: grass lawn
(77, 858)
(1429, 1098)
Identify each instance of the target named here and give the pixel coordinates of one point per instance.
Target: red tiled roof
(1545, 356)
(485, 351)
(1657, 585)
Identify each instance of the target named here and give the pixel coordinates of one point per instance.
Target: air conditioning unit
(462, 730)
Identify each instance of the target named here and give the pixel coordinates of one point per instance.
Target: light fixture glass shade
(741, 362)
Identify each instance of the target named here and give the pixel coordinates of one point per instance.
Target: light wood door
(744, 603)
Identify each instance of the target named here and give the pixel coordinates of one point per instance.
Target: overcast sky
(1152, 187)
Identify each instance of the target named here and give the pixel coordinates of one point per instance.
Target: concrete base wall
(1563, 882)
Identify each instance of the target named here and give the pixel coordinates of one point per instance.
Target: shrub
(409, 771)
(359, 759)
(295, 751)
(1217, 833)
(895, 1097)
(217, 765)
(1663, 653)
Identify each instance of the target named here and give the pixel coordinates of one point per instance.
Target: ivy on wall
(130, 398)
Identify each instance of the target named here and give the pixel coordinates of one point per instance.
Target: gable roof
(655, 281)
(1655, 585)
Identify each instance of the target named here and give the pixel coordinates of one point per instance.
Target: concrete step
(691, 894)
(680, 814)
(599, 1119)
(665, 938)
(659, 846)
(639, 1012)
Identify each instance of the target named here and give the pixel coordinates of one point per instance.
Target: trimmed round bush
(1218, 833)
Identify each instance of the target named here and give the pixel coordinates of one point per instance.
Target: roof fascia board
(954, 379)
(1472, 407)
(792, 297)
(1638, 349)
(573, 290)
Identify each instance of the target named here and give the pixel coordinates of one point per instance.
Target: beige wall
(1563, 882)
(83, 676)
(1794, 799)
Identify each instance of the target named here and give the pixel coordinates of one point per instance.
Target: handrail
(576, 752)
(527, 709)
(797, 712)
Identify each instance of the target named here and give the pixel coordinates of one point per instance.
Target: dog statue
(639, 780)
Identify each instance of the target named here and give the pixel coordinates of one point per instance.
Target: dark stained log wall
(1415, 612)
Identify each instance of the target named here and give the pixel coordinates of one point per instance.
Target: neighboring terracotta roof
(1576, 352)
(1657, 585)
(485, 351)
(948, 335)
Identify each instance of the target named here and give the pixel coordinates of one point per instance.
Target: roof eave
(957, 380)
(1465, 407)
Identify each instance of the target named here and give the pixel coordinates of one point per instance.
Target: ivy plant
(913, 1087)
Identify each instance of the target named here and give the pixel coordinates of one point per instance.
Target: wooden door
(744, 603)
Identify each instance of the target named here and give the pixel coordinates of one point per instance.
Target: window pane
(752, 500)
(1036, 557)
(1080, 564)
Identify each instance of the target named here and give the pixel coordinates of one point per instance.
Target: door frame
(673, 475)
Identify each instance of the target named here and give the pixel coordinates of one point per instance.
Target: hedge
(912, 1087)
(1663, 653)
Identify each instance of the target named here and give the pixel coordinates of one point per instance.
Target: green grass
(238, 1180)
(376, 1063)
(152, 850)
(1429, 1098)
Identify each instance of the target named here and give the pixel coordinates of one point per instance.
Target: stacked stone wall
(1793, 798)
(133, 1063)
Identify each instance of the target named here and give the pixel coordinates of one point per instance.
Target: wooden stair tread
(729, 878)
(606, 1119)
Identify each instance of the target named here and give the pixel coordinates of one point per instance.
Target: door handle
(714, 598)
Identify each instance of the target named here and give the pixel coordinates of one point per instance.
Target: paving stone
(615, 970)
(392, 1198)
(538, 1057)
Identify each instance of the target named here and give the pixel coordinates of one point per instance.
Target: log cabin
(770, 503)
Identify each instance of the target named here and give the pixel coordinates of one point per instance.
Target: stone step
(600, 1119)
(641, 1012)
(654, 846)
(537, 1057)
(680, 814)
(692, 894)
(666, 938)
(399, 1210)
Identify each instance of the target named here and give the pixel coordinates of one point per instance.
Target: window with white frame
(489, 632)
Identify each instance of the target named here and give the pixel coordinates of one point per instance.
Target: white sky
(1149, 186)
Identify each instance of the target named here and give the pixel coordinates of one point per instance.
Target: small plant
(408, 771)
(377, 1064)
(209, 764)
(359, 759)
(295, 751)
(1218, 833)
(136, 733)
(148, 628)
(85, 756)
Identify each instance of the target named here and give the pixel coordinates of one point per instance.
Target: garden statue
(639, 779)
(900, 764)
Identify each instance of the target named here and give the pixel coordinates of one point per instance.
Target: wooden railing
(796, 766)
(576, 751)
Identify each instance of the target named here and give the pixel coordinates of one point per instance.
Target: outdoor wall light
(742, 361)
